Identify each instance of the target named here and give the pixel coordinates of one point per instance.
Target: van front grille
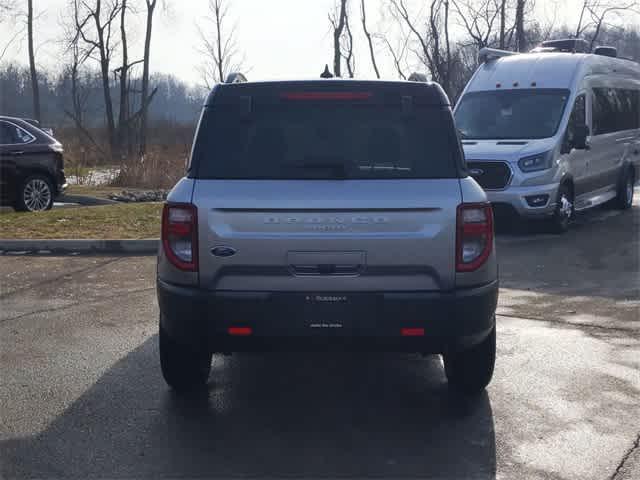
(490, 175)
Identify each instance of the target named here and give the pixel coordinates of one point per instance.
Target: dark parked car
(31, 166)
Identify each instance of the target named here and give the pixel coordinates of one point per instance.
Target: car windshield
(511, 114)
(314, 141)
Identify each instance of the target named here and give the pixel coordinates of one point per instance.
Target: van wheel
(470, 371)
(183, 368)
(564, 211)
(624, 197)
(35, 194)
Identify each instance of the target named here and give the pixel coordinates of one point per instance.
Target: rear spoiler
(488, 54)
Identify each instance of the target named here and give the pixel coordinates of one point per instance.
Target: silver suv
(329, 214)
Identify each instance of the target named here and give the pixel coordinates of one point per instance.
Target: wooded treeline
(174, 102)
(423, 40)
(107, 100)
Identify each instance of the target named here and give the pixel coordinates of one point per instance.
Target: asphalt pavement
(81, 394)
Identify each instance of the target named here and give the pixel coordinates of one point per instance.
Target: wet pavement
(81, 394)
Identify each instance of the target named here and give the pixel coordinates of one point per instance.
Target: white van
(552, 132)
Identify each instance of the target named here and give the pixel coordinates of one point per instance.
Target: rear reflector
(412, 332)
(326, 95)
(240, 331)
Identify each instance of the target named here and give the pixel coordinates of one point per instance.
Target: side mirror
(580, 135)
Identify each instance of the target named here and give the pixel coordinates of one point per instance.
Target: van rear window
(325, 141)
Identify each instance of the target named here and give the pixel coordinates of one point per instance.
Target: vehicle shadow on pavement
(322, 415)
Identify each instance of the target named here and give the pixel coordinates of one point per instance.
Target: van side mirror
(580, 135)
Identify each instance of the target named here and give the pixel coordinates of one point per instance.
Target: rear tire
(35, 194)
(624, 197)
(183, 368)
(470, 371)
(564, 211)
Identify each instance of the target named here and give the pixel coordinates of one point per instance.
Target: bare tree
(32, 62)
(123, 72)
(436, 57)
(503, 23)
(151, 5)
(594, 13)
(398, 54)
(221, 51)
(79, 88)
(94, 23)
(479, 19)
(338, 19)
(519, 26)
(346, 48)
(363, 17)
(9, 15)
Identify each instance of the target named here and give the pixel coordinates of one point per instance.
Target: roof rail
(487, 54)
(235, 77)
(417, 77)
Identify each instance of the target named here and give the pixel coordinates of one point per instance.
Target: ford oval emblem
(476, 172)
(223, 251)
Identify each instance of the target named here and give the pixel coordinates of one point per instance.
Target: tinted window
(10, 134)
(511, 114)
(615, 109)
(311, 140)
(577, 119)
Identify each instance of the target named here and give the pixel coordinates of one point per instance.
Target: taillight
(474, 240)
(180, 235)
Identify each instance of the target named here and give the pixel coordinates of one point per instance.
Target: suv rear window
(325, 141)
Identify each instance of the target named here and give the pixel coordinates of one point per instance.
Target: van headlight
(535, 163)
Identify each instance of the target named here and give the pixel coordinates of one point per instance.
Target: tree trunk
(124, 91)
(579, 27)
(151, 5)
(220, 63)
(369, 40)
(32, 63)
(349, 57)
(503, 20)
(520, 34)
(104, 70)
(337, 33)
(447, 40)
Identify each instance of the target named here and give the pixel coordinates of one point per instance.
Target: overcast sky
(279, 38)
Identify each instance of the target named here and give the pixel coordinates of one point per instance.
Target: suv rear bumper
(344, 321)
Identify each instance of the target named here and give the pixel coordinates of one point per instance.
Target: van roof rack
(235, 77)
(606, 51)
(569, 45)
(417, 77)
(488, 54)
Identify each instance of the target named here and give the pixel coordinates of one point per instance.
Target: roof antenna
(326, 73)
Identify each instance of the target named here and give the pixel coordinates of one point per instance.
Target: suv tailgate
(327, 236)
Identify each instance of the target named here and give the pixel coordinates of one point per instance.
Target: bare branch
(397, 56)
(363, 17)
(220, 50)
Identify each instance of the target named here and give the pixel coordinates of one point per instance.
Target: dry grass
(121, 221)
(163, 165)
(161, 168)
